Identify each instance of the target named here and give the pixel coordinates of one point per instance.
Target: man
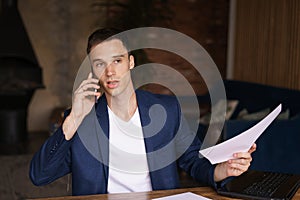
(130, 161)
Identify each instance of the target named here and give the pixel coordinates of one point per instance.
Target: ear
(131, 62)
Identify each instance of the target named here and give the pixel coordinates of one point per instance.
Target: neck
(123, 105)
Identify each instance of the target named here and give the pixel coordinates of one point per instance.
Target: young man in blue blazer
(128, 153)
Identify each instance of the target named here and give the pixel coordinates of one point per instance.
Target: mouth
(112, 84)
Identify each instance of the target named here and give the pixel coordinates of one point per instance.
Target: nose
(110, 70)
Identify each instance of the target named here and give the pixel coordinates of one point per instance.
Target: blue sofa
(278, 148)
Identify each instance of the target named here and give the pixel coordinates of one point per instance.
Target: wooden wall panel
(267, 43)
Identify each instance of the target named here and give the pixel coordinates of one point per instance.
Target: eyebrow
(97, 59)
(117, 56)
(101, 60)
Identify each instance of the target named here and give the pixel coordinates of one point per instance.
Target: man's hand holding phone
(84, 99)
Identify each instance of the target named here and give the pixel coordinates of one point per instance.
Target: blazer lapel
(145, 120)
(103, 133)
(144, 106)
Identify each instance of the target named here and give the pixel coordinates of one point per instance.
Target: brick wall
(204, 21)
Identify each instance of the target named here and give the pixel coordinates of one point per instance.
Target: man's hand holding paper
(234, 155)
(234, 167)
(240, 143)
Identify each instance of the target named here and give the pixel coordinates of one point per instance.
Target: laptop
(261, 185)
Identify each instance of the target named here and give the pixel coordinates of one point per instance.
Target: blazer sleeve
(188, 142)
(52, 161)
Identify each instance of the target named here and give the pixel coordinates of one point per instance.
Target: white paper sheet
(240, 143)
(185, 196)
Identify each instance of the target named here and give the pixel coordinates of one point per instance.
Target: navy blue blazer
(58, 157)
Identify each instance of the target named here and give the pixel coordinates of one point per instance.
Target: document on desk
(185, 196)
(240, 143)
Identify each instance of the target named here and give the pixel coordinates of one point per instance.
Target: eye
(116, 61)
(100, 64)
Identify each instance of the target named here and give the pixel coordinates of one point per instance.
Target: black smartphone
(95, 90)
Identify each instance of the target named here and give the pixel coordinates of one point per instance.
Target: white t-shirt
(128, 167)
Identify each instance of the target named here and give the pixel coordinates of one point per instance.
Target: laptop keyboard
(267, 186)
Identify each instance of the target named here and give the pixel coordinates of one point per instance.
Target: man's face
(111, 65)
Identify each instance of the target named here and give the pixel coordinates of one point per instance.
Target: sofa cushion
(278, 147)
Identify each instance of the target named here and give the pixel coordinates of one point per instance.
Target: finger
(245, 154)
(88, 93)
(235, 172)
(238, 166)
(90, 83)
(253, 148)
(89, 86)
(235, 169)
(98, 94)
(242, 155)
(240, 161)
(90, 80)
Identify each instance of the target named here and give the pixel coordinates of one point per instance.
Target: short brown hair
(102, 34)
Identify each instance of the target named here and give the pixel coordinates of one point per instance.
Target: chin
(113, 92)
